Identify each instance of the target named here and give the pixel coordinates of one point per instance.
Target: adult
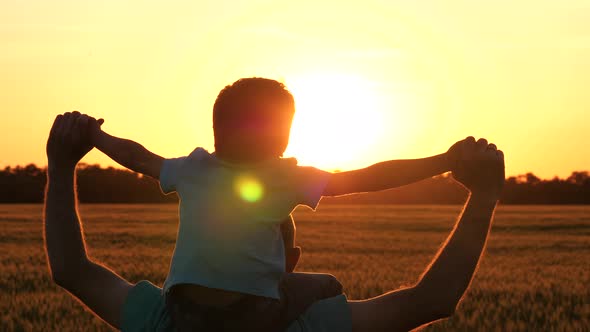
(140, 306)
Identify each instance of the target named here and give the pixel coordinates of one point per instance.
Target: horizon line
(329, 170)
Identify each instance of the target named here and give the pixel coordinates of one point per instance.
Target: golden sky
(373, 80)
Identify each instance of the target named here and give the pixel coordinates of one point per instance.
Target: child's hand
(454, 155)
(94, 129)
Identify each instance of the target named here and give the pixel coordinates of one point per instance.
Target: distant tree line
(521, 189)
(26, 184)
(95, 185)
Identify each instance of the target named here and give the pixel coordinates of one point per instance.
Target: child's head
(252, 120)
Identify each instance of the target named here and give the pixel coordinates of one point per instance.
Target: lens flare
(249, 188)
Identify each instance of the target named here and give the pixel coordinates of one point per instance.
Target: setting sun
(338, 119)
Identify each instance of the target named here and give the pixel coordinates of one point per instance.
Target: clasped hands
(477, 165)
(70, 139)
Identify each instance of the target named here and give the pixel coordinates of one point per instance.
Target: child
(229, 254)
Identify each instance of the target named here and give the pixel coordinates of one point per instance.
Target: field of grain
(534, 276)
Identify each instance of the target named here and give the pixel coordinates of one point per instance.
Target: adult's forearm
(451, 271)
(63, 233)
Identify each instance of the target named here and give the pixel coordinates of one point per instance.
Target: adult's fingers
(492, 147)
(61, 125)
(67, 123)
(481, 144)
(55, 125)
(83, 121)
(83, 125)
(467, 148)
(74, 116)
(76, 131)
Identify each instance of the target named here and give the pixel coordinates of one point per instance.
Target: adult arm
(100, 289)
(127, 153)
(444, 282)
(447, 278)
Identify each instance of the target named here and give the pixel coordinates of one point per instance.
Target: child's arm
(390, 174)
(127, 153)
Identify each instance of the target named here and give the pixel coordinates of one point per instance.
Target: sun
(338, 120)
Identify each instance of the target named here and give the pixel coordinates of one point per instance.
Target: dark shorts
(144, 310)
(254, 313)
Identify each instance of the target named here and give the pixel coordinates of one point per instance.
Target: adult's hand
(68, 141)
(480, 166)
(100, 289)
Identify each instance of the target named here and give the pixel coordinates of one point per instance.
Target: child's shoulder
(198, 157)
(199, 154)
(288, 162)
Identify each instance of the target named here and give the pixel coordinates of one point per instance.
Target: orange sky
(373, 80)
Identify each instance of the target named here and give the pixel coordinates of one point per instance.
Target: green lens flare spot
(249, 189)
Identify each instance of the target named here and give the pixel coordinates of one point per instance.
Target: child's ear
(292, 256)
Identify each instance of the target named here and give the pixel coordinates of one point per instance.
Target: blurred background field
(534, 276)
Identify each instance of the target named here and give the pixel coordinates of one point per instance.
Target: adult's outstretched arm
(444, 282)
(97, 287)
(441, 287)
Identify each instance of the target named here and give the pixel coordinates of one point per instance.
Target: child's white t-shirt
(229, 232)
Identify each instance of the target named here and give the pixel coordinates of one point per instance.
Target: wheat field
(534, 276)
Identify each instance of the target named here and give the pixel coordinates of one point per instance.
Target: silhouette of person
(479, 167)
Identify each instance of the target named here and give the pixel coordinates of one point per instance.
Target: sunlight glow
(338, 119)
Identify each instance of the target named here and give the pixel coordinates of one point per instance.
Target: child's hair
(252, 120)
